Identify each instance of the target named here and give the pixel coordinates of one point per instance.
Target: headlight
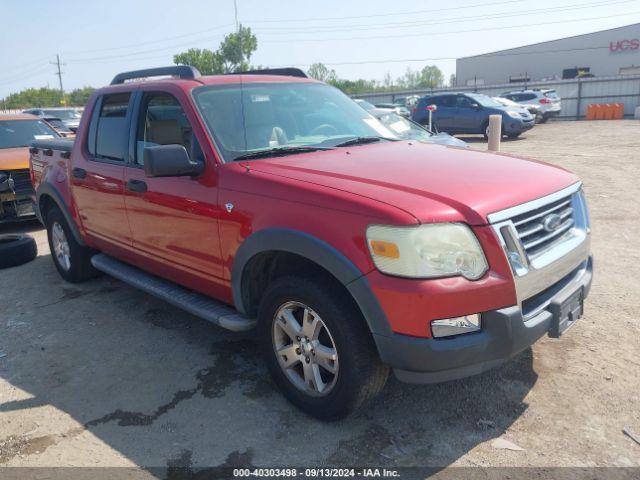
(513, 114)
(427, 251)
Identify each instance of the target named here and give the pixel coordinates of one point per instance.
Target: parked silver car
(532, 108)
(399, 109)
(69, 116)
(547, 99)
(388, 107)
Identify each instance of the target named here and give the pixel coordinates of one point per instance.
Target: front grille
(21, 182)
(539, 229)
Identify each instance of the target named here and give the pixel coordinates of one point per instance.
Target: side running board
(195, 303)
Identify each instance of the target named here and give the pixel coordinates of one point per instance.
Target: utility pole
(59, 73)
(235, 9)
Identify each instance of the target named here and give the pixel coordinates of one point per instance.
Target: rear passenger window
(111, 132)
(445, 101)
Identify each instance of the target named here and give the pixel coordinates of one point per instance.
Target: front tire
(317, 347)
(72, 260)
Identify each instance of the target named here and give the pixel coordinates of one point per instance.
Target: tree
(355, 86)
(46, 97)
(233, 54)
(79, 96)
(236, 49)
(34, 97)
(430, 77)
(321, 72)
(387, 82)
(409, 80)
(452, 80)
(204, 60)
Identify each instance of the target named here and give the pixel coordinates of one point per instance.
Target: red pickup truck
(274, 201)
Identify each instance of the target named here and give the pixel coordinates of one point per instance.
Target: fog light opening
(449, 327)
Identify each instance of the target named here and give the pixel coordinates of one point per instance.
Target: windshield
(484, 100)
(263, 116)
(405, 129)
(20, 133)
(63, 114)
(506, 102)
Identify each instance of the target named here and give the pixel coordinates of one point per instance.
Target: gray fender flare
(319, 252)
(50, 191)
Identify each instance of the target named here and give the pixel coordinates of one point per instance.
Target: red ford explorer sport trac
(269, 200)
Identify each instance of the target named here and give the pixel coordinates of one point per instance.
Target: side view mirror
(476, 106)
(170, 161)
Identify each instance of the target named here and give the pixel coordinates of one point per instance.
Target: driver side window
(163, 122)
(464, 102)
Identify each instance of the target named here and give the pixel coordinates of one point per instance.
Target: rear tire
(513, 135)
(544, 119)
(485, 130)
(327, 385)
(72, 260)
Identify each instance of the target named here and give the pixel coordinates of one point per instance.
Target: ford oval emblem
(551, 222)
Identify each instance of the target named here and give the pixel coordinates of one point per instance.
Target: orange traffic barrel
(608, 110)
(598, 111)
(619, 112)
(591, 112)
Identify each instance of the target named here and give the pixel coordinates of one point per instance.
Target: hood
(466, 184)
(14, 158)
(446, 139)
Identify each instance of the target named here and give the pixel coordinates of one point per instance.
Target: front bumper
(15, 207)
(505, 333)
(513, 125)
(16, 196)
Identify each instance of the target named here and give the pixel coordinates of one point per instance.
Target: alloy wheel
(305, 349)
(60, 246)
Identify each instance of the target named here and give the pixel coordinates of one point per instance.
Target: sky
(357, 38)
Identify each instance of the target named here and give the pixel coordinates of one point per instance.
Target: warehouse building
(609, 52)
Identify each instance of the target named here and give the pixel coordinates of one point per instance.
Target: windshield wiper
(278, 152)
(361, 141)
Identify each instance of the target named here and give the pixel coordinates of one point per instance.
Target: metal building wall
(598, 51)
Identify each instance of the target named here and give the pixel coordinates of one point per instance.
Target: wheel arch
(293, 245)
(47, 196)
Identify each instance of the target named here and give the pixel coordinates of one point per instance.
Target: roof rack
(180, 71)
(288, 72)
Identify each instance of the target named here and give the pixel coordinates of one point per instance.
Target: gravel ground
(100, 374)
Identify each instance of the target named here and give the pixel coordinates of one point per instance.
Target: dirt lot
(100, 374)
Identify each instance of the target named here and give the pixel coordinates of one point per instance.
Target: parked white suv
(547, 99)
